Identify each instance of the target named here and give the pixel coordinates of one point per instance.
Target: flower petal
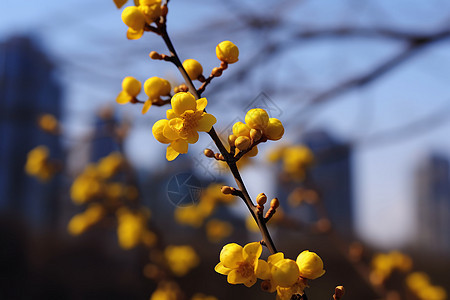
(201, 103)
(252, 251)
(180, 145)
(170, 133)
(234, 277)
(262, 269)
(134, 34)
(250, 281)
(274, 258)
(192, 138)
(231, 255)
(206, 122)
(171, 154)
(221, 269)
(123, 98)
(146, 106)
(183, 101)
(170, 114)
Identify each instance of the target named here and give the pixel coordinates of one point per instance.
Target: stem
(212, 133)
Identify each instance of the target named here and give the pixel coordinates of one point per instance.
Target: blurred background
(364, 85)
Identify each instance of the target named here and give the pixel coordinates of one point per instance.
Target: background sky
(86, 40)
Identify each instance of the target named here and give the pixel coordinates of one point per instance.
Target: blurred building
(332, 174)
(433, 205)
(28, 88)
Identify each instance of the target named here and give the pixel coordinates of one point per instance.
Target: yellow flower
(227, 52)
(131, 87)
(135, 19)
(185, 119)
(155, 88)
(310, 265)
(109, 165)
(131, 229)
(151, 9)
(80, 222)
(257, 118)
(241, 129)
(48, 123)
(37, 163)
(285, 272)
(242, 264)
(86, 186)
(193, 68)
(274, 130)
(199, 296)
(217, 230)
(181, 259)
(166, 291)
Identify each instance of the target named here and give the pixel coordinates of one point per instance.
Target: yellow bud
(242, 143)
(255, 134)
(257, 118)
(231, 140)
(151, 10)
(48, 123)
(156, 87)
(193, 68)
(131, 86)
(158, 129)
(274, 130)
(285, 272)
(241, 129)
(228, 52)
(183, 101)
(310, 265)
(261, 199)
(133, 18)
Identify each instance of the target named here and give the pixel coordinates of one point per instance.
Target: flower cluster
(154, 88)
(258, 127)
(295, 160)
(419, 283)
(184, 120)
(194, 215)
(383, 264)
(38, 164)
(93, 182)
(285, 276)
(79, 223)
(132, 228)
(181, 259)
(139, 16)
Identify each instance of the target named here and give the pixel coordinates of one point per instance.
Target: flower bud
(228, 52)
(255, 134)
(208, 152)
(274, 130)
(158, 129)
(227, 190)
(131, 86)
(241, 129)
(285, 272)
(242, 143)
(133, 17)
(257, 118)
(151, 11)
(156, 87)
(193, 68)
(231, 140)
(275, 203)
(183, 101)
(261, 199)
(310, 265)
(339, 291)
(216, 72)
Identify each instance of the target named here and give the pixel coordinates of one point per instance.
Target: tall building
(332, 174)
(28, 88)
(433, 204)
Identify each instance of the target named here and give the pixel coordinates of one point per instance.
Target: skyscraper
(28, 88)
(433, 204)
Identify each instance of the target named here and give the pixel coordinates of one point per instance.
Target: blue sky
(87, 40)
